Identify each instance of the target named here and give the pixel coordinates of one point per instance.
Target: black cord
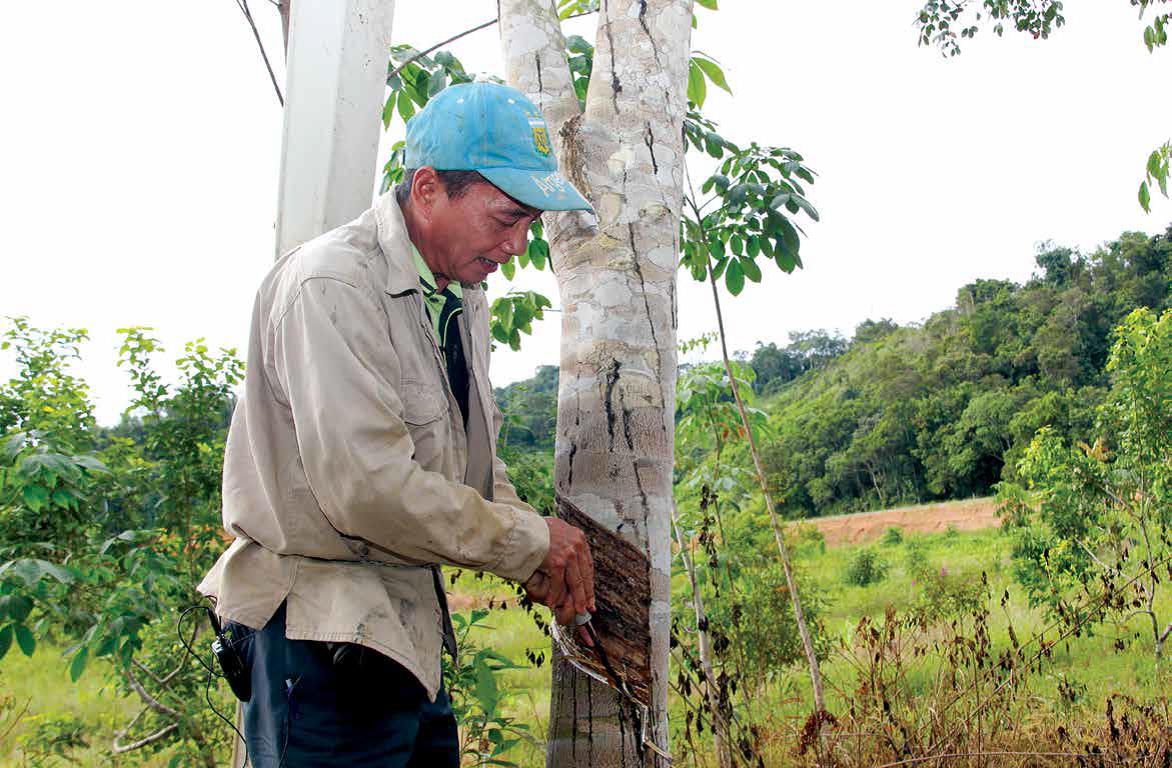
(212, 674)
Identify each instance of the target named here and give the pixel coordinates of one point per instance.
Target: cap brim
(541, 189)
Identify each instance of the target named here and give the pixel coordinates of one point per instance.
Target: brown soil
(968, 515)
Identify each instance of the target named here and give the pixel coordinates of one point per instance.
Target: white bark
(616, 276)
(335, 84)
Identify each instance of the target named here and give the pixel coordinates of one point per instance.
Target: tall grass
(1061, 704)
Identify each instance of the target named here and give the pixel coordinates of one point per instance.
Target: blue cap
(495, 130)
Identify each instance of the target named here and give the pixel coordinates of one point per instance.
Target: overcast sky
(141, 142)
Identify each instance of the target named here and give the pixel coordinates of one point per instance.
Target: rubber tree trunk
(616, 276)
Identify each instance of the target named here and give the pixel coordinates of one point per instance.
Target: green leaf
(406, 108)
(389, 109)
(697, 90)
(714, 72)
(538, 253)
(77, 666)
(91, 463)
(31, 571)
(436, 82)
(716, 248)
(19, 607)
(13, 444)
(5, 639)
(1145, 197)
(751, 270)
(734, 277)
(1154, 163)
(804, 204)
(718, 268)
(753, 246)
(508, 269)
(789, 241)
(36, 497)
(107, 645)
(25, 639)
(709, 4)
(785, 259)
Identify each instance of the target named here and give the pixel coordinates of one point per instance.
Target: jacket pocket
(425, 411)
(422, 404)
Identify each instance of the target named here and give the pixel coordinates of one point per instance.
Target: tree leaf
(406, 108)
(538, 253)
(1145, 197)
(36, 497)
(784, 258)
(716, 248)
(734, 277)
(709, 4)
(19, 607)
(804, 204)
(5, 639)
(508, 269)
(25, 639)
(789, 240)
(77, 666)
(714, 72)
(32, 570)
(697, 90)
(751, 270)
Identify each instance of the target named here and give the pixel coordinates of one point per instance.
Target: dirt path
(967, 515)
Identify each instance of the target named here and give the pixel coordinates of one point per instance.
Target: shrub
(916, 558)
(893, 536)
(866, 567)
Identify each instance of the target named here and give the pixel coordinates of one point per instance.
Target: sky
(140, 151)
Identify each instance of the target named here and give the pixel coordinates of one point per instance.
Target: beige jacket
(347, 472)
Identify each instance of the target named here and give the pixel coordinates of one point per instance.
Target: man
(362, 453)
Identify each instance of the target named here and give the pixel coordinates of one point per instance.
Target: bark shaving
(623, 596)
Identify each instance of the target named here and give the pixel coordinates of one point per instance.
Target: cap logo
(540, 136)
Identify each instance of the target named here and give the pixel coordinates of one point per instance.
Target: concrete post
(334, 92)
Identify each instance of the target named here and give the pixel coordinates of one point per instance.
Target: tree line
(934, 410)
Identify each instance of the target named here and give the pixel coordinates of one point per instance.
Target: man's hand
(565, 579)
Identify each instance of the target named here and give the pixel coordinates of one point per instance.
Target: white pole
(334, 91)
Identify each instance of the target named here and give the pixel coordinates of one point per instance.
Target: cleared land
(859, 528)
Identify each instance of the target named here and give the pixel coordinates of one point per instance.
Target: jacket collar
(402, 276)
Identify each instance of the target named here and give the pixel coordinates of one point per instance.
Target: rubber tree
(616, 274)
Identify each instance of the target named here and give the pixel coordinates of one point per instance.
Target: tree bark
(616, 276)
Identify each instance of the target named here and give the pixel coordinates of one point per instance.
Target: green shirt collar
(428, 278)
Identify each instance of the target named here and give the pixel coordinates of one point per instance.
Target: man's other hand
(565, 579)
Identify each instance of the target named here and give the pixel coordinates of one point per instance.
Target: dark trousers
(322, 704)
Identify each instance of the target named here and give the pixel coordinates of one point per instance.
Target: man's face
(471, 235)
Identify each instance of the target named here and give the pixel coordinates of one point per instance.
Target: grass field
(1087, 665)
